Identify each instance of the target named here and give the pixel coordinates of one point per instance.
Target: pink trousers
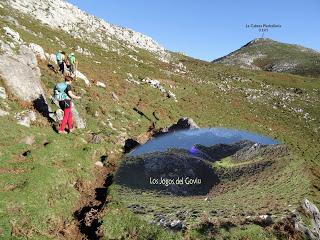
(67, 118)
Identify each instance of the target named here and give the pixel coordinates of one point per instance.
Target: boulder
(176, 225)
(266, 220)
(82, 77)
(80, 123)
(313, 213)
(52, 58)
(38, 51)
(182, 124)
(101, 84)
(130, 144)
(15, 36)
(25, 118)
(21, 74)
(98, 164)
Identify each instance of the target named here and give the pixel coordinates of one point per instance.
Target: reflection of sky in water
(205, 136)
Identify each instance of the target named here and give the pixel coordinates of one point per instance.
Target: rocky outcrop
(79, 121)
(15, 36)
(82, 77)
(219, 151)
(38, 51)
(312, 213)
(303, 223)
(21, 74)
(85, 26)
(182, 124)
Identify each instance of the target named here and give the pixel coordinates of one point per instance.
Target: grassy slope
(277, 52)
(38, 201)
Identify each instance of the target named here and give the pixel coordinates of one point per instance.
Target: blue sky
(208, 29)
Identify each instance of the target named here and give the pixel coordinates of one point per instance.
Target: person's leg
(62, 67)
(70, 119)
(65, 119)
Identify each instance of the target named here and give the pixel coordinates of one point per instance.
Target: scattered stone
(96, 138)
(3, 113)
(25, 118)
(83, 51)
(156, 84)
(101, 84)
(176, 225)
(38, 51)
(3, 94)
(115, 97)
(137, 209)
(266, 220)
(98, 164)
(111, 126)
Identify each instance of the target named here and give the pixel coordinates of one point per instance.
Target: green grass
(229, 163)
(307, 62)
(129, 226)
(40, 195)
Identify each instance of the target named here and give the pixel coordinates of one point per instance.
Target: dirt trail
(92, 202)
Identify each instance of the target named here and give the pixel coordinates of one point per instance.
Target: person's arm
(72, 95)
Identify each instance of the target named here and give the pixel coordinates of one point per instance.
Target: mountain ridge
(76, 21)
(270, 55)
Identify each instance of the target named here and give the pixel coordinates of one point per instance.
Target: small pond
(186, 139)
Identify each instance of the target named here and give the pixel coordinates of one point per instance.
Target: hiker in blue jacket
(61, 57)
(63, 93)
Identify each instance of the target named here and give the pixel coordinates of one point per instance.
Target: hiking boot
(62, 132)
